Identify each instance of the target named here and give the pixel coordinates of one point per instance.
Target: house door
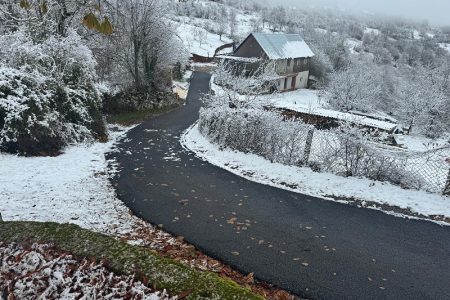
(294, 81)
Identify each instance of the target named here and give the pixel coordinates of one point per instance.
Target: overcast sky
(437, 12)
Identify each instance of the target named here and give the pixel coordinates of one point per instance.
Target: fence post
(308, 145)
(446, 191)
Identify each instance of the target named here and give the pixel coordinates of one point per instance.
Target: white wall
(302, 80)
(289, 83)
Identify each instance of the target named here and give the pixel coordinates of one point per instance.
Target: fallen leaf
(249, 278)
(184, 294)
(232, 221)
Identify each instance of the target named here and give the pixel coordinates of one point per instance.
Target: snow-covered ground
(445, 46)
(197, 40)
(417, 143)
(70, 188)
(309, 101)
(374, 31)
(303, 99)
(25, 274)
(198, 35)
(352, 44)
(305, 181)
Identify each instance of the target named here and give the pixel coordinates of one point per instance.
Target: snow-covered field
(311, 183)
(196, 39)
(70, 188)
(445, 46)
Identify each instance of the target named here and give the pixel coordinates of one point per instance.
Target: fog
(436, 12)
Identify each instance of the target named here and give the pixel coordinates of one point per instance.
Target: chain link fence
(429, 170)
(346, 151)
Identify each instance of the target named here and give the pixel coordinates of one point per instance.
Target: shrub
(47, 96)
(346, 151)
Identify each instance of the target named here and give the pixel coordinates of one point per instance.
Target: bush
(347, 151)
(255, 131)
(39, 118)
(47, 96)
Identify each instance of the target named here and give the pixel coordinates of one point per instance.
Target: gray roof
(282, 45)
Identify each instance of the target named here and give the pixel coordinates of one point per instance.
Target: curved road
(312, 247)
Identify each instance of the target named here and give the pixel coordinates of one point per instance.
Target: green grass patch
(131, 118)
(122, 258)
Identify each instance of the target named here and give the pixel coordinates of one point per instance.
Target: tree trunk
(63, 14)
(137, 77)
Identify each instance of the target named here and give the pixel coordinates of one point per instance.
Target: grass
(131, 118)
(122, 258)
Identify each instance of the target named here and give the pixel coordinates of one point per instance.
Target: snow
(373, 31)
(417, 35)
(301, 99)
(308, 101)
(321, 30)
(49, 274)
(418, 143)
(281, 46)
(352, 44)
(191, 35)
(445, 46)
(71, 188)
(324, 185)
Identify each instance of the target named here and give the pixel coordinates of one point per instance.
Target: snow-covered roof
(282, 45)
(346, 117)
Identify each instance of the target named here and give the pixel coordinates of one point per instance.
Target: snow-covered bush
(346, 151)
(47, 93)
(349, 151)
(355, 88)
(255, 131)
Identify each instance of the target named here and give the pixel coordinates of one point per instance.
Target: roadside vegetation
(64, 65)
(147, 266)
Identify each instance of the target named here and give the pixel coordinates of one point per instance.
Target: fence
(344, 152)
(427, 171)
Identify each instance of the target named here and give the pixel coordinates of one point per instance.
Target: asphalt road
(312, 247)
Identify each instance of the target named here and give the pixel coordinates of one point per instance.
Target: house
(289, 52)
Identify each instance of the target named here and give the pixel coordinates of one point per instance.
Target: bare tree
(141, 41)
(355, 88)
(233, 24)
(222, 22)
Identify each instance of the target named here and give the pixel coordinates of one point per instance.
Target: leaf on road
(232, 221)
